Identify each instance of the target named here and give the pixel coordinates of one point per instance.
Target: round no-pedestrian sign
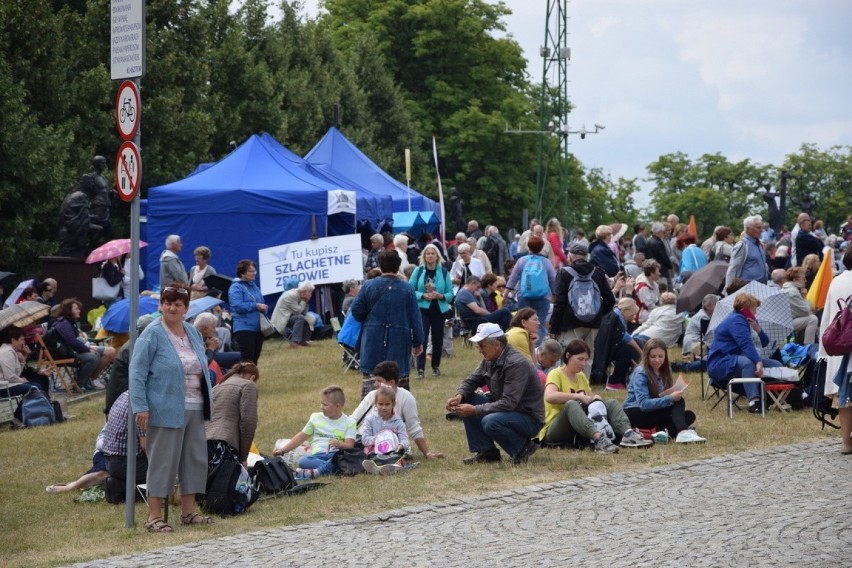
(127, 110)
(128, 171)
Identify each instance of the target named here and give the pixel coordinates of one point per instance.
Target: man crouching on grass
(512, 412)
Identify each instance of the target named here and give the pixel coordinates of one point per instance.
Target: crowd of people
(551, 314)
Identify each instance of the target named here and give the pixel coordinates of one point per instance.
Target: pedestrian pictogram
(128, 171)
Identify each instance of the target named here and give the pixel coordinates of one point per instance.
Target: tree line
(400, 71)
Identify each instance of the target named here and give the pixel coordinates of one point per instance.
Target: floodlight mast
(555, 55)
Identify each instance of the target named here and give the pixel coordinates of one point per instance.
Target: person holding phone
(733, 352)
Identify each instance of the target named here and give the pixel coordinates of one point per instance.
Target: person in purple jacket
(93, 359)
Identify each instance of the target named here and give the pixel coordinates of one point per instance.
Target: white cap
(487, 331)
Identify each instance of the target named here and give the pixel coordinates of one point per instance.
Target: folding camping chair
(347, 334)
(63, 370)
(8, 404)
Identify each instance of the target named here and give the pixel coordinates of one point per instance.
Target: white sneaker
(390, 469)
(98, 384)
(633, 439)
(371, 467)
(689, 436)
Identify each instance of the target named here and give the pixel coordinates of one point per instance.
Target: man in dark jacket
(806, 242)
(564, 324)
(658, 248)
(512, 412)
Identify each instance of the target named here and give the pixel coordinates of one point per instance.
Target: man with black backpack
(582, 298)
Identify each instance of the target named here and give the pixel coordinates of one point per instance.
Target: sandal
(195, 519)
(158, 525)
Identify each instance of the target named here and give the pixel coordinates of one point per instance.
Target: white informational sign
(321, 261)
(341, 201)
(127, 39)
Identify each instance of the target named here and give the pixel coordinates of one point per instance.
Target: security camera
(582, 136)
(599, 127)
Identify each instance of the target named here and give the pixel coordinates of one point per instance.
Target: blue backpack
(534, 284)
(584, 296)
(36, 409)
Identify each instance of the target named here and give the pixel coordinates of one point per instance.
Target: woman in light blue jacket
(170, 396)
(433, 289)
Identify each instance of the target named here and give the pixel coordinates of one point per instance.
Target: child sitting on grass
(327, 431)
(384, 434)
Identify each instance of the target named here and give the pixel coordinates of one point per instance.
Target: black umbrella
(220, 283)
(708, 280)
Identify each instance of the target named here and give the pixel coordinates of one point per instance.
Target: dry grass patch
(46, 530)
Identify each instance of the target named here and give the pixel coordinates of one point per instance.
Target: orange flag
(692, 229)
(819, 289)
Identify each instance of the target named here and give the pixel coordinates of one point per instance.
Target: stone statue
(775, 220)
(101, 203)
(456, 213)
(75, 224)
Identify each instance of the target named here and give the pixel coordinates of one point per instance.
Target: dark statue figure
(775, 219)
(84, 216)
(806, 204)
(456, 213)
(101, 208)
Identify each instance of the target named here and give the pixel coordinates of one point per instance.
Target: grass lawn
(45, 530)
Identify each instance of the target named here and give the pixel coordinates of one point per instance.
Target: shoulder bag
(265, 325)
(837, 339)
(103, 292)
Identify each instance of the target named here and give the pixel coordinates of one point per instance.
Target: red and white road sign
(127, 109)
(128, 171)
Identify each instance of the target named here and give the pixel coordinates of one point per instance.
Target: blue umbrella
(201, 305)
(117, 317)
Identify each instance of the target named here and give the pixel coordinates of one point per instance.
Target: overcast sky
(749, 79)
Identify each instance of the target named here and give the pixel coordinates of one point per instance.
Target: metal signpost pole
(127, 61)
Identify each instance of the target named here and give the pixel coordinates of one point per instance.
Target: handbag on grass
(837, 339)
(102, 291)
(266, 326)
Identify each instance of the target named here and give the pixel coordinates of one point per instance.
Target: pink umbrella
(112, 249)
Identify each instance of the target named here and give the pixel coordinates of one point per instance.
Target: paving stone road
(763, 508)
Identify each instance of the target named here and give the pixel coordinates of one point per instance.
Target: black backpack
(274, 477)
(229, 489)
(820, 404)
(607, 340)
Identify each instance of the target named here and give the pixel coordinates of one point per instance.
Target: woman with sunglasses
(171, 399)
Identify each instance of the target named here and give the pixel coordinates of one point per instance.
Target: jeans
(88, 363)
(322, 462)
(433, 321)
(745, 367)
(510, 430)
(542, 309)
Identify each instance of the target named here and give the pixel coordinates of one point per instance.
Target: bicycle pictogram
(126, 111)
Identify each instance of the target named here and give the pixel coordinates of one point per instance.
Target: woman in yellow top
(573, 416)
(523, 332)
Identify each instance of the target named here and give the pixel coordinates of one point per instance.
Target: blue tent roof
(337, 157)
(252, 199)
(373, 209)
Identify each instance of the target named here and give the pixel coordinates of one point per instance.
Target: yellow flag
(819, 289)
(254, 449)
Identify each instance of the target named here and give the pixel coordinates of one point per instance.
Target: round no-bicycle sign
(128, 171)
(127, 110)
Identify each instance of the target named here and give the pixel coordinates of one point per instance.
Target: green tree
(826, 176)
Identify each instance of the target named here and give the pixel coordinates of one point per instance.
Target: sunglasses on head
(180, 291)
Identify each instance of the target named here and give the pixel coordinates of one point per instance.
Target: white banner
(320, 261)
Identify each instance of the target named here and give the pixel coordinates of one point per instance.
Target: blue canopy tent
(336, 156)
(251, 199)
(409, 222)
(374, 211)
